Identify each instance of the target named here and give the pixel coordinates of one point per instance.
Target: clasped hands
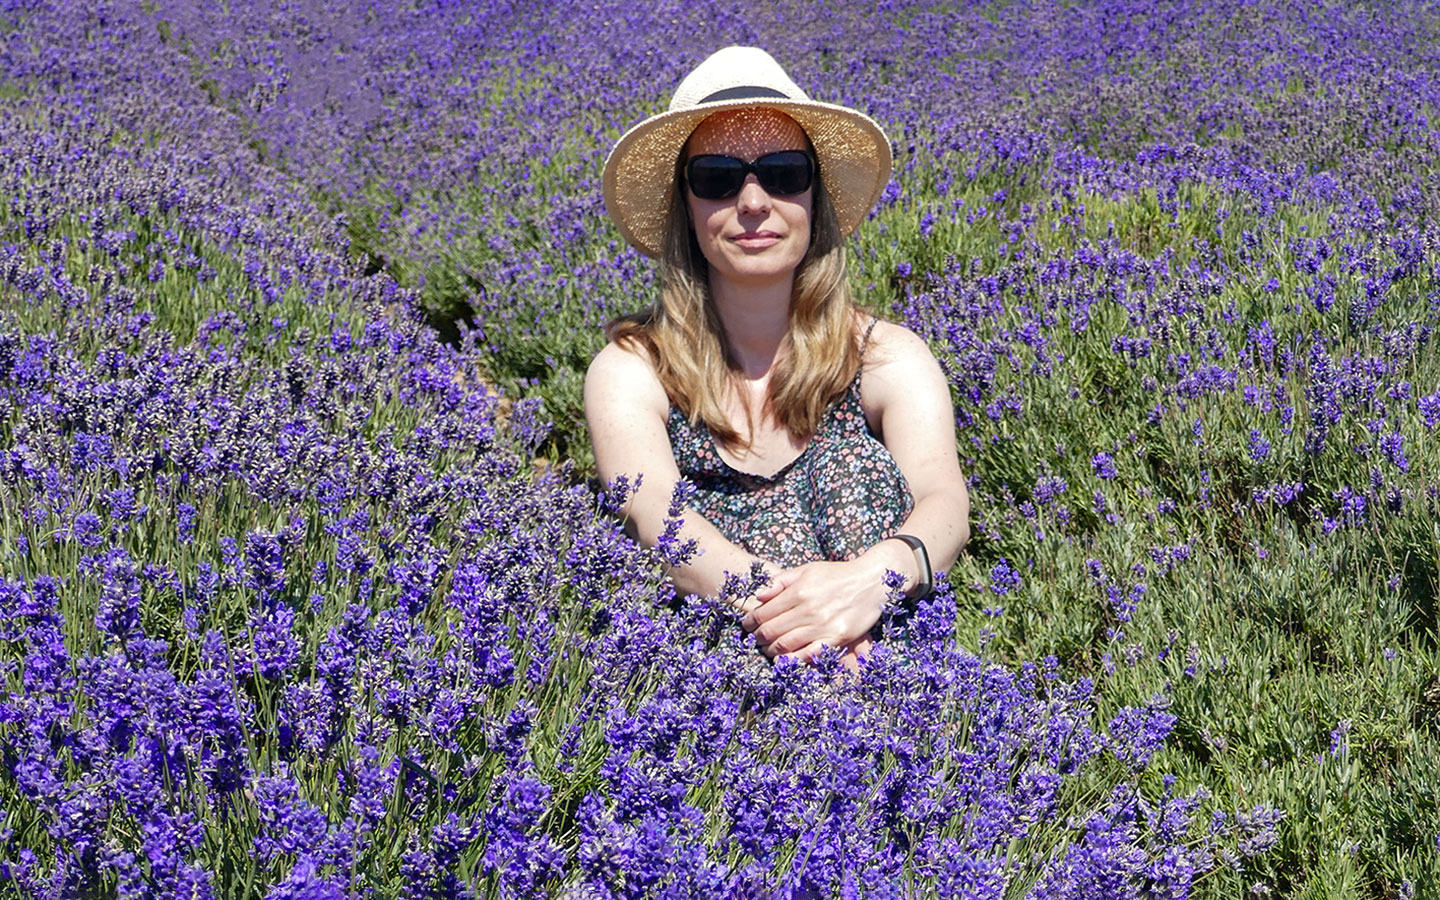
(818, 604)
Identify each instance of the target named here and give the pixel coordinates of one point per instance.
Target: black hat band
(744, 92)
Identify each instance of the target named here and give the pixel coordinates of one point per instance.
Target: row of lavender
(285, 610)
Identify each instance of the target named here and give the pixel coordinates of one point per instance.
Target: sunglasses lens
(717, 177)
(713, 177)
(784, 173)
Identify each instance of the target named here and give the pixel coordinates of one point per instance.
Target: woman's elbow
(957, 505)
(962, 536)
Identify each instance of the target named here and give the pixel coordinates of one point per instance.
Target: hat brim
(853, 155)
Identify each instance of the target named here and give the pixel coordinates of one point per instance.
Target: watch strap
(925, 582)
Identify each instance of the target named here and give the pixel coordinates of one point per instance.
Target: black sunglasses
(712, 176)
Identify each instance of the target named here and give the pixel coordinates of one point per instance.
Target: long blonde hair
(685, 338)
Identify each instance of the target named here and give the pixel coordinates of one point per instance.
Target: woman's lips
(756, 239)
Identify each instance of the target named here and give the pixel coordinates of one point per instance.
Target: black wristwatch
(924, 583)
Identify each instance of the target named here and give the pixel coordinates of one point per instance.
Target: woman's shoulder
(623, 355)
(887, 343)
(897, 363)
(625, 370)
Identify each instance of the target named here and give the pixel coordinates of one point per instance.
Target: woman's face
(753, 238)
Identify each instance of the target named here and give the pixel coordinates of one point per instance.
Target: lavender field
(306, 589)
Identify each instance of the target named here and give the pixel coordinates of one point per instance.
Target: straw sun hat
(853, 152)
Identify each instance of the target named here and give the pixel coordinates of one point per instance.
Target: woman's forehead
(746, 133)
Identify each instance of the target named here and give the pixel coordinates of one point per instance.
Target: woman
(820, 441)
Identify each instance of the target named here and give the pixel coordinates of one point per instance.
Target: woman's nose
(753, 198)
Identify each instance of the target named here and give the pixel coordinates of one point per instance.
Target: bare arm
(835, 603)
(906, 390)
(626, 410)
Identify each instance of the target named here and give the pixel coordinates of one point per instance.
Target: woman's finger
(807, 652)
(861, 648)
(787, 627)
(770, 607)
(778, 583)
(745, 604)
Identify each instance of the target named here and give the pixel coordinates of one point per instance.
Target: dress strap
(852, 398)
(865, 341)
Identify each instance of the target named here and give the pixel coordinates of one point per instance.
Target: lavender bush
(288, 609)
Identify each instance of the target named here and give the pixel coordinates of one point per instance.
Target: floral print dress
(842, 495)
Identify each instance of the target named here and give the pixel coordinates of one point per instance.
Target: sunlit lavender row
(304, 598)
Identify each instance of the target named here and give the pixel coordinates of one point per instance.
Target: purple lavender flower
(118, 612)
(1258, 829)
(289, 825)
(122, 506)
(276, 648)
(1048, 489)
(1003, 578)
(671, 548)
(87, 529)
(1339, 737)
(1259, 446)
(1392, 445)
(1137, 733)
(1352, 506)
(1429, 407)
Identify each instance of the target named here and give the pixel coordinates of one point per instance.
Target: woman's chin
(759, 269)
